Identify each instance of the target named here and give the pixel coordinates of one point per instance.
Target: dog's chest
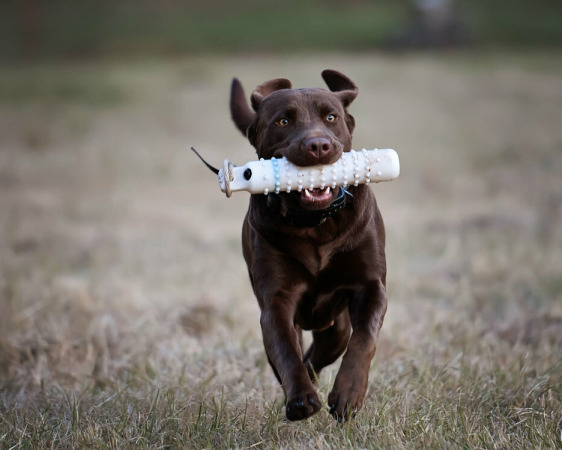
(316, 258)
(330, 287)
(318, 252)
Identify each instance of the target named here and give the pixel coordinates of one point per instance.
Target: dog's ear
(340, 85)
(265, 89)
(240, 111)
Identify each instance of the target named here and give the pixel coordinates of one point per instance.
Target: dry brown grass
(126, 316)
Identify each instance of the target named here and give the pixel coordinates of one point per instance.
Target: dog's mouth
(316, 198)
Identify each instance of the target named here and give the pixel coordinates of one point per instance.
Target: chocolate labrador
(316, 257)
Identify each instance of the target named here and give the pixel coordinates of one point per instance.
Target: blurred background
(60, 29)
(120, 259)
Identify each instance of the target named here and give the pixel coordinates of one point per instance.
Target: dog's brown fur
(328, 278)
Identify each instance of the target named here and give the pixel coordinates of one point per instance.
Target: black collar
(303, 218)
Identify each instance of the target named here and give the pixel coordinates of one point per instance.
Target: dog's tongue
(316, 195)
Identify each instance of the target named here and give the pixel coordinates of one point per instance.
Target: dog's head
(308, 126)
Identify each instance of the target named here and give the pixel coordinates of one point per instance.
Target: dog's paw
(302, 406)
(344, 406)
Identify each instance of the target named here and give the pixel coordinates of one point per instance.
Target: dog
(316, 258)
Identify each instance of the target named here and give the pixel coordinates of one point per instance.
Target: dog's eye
(331, 117)
(283, 122)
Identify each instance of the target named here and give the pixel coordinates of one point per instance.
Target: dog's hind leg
(328, 345)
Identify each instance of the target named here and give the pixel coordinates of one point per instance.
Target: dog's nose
(318, 147)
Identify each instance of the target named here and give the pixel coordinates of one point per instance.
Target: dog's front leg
(283, 348)
(366, 312)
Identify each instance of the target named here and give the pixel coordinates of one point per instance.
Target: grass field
(126, 316)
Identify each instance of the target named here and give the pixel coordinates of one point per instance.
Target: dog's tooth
(306, 193)
(328, 190)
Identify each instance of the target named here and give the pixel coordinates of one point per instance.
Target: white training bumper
(280, 175)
